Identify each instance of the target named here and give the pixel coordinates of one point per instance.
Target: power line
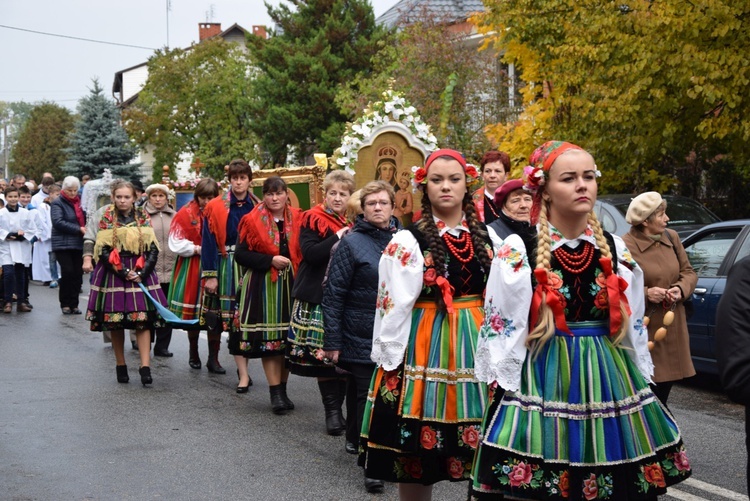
(75, 38)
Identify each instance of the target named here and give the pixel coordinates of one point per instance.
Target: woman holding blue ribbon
(563, 336)
(424, 408)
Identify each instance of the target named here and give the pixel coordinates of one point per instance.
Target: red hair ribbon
(447, 290)
(114, 259)
(552, 300)
(445, 152)
(616, 286)
(140, 263)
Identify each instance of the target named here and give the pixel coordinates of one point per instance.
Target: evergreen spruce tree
(99, 142)
(316, 48)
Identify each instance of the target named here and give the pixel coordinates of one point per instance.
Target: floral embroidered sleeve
(501, 348)
(399, 285)
(636, 341)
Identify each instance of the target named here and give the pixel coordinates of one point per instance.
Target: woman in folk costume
(494, 167)
(269, 250)
(219, 271)
(185, 291)
(577, 419)
(125, 251)
(422, 419)
(322, 226)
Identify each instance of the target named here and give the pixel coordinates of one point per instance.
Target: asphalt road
(69, 431)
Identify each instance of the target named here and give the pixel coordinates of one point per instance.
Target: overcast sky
(36, 67)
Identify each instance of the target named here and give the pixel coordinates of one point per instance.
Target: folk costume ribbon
(616, 286)
(134, 237)
(545, 292)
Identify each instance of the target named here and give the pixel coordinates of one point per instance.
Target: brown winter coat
(662, 268)
(160, 221)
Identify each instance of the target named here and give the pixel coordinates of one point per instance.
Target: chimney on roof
(260, 31)
(208, 30)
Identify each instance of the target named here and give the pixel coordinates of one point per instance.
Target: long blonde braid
(545, 327)
(606, 252)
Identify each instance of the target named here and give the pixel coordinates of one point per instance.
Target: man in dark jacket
(733, 340)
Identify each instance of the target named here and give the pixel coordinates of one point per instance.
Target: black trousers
(71, 276)
(14, 280)
(357, 386)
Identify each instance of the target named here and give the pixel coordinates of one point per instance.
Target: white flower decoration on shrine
(393, 108)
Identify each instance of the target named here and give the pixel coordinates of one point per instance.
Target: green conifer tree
(99, 142)
(316, 48)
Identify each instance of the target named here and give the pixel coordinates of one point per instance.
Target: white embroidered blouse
(501, 349)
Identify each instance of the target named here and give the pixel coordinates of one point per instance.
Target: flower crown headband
(419, 174)
(541, 160)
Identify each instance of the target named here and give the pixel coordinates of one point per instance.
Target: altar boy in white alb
(17, 235)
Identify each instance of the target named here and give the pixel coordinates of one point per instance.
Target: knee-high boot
(342, 398)
(213, 364)
(194, 358)
(329, 393)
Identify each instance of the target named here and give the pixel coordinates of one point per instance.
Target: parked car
(712, 252)
(685, 214)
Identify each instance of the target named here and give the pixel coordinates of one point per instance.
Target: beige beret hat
(157, 187)
(642, 207)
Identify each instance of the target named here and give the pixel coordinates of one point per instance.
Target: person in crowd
(577, 419)
(19, 180)
(84, 179)
(185, 291)
(17, 235)
(140, 193)
(404, 209)
(220, 273)
(322, 227)
(495, 166)
(24, 200)
(68, 229)
(425, 405)
(44, 267)
(38, 198)
(349, 299)
(514, 204)
(126, 251)
(733, 341)
(269, 251)
(668, 281)
(161, 214)
(3, 185)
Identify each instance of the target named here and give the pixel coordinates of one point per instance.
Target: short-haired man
(222, 217)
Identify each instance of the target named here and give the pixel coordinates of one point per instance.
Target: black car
(712, 252)
(685, 214)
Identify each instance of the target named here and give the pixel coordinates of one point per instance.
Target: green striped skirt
(583, 425)
(264, 308)
(305, 352)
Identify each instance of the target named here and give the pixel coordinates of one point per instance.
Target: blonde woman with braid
(125, 252)
(563, 336)
(423, 412)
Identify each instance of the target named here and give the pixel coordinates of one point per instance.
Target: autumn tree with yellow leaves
(658, 91)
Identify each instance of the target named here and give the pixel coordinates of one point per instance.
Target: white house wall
(133, 81)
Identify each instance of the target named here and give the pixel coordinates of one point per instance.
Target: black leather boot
(277, 402)
(287, 403)
(329, 393)
(122, 373)
(194, 358)
(213, 364)
(145, 373)
(342, 398)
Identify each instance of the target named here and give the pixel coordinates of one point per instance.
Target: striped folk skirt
(218, 310)
(422, 420)
(184, 298)
(305, 350)
(264, 309)
(116, 304)
(584, 425)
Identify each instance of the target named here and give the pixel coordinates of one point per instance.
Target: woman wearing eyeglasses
(349, 300)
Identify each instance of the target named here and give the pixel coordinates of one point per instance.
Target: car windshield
(681, 212)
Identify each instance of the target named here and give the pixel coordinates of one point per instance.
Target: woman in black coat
(68, 228)
(349, 299)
